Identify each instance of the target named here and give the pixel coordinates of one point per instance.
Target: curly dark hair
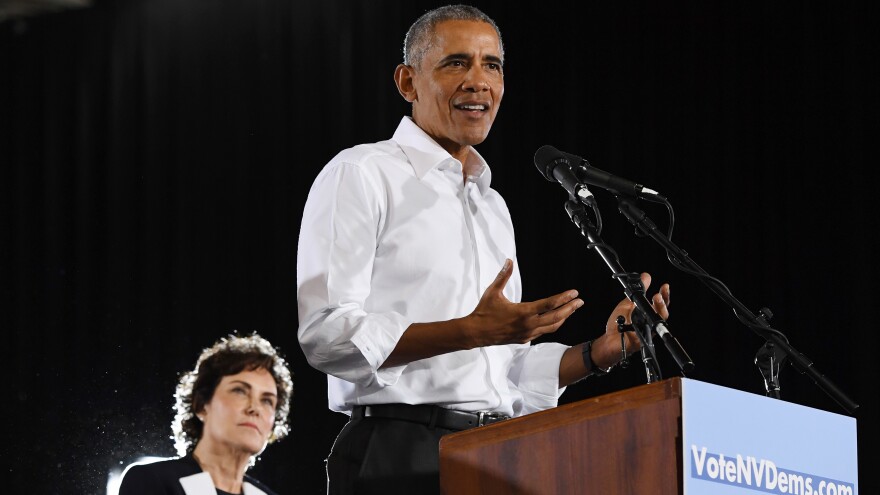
(418, 37)
(228, 356)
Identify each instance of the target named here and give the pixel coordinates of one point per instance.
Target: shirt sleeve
(534, 372)
(337, 247)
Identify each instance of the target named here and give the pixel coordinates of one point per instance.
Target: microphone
(555, 166)
(584, 172)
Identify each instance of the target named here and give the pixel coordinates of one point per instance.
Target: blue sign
(736, 442)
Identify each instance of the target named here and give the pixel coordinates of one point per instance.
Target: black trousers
(385, 456)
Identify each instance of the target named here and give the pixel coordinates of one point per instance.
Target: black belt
(430, 415)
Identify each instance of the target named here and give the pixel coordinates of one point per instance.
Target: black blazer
(181, 476)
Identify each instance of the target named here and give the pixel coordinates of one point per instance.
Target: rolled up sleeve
(336, 252)
(535, 373)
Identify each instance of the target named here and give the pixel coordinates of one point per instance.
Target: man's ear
(403, 78)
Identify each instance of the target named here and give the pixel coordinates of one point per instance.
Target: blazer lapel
(198, 484)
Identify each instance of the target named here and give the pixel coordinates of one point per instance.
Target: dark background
(155, 157)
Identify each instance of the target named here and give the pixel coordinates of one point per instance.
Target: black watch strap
(588, 361)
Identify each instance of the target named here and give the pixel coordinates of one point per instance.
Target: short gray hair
(418, 38)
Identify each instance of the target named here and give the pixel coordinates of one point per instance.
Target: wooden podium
(626, 442)
(667, 438)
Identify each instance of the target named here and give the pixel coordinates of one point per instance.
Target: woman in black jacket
(233, 404)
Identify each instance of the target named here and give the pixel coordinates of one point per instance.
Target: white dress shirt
(392, 235)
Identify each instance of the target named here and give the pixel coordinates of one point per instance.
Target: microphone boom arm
(679, 258)
(635, 292)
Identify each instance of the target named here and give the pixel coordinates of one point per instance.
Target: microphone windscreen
(546, 159)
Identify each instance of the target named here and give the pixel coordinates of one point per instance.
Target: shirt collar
(425, 154)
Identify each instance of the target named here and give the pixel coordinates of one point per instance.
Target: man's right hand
(496, 320)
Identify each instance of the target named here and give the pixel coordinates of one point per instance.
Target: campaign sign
(736, 442)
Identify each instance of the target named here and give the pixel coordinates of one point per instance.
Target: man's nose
(476, 80)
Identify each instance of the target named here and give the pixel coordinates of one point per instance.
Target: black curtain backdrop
(156, 156)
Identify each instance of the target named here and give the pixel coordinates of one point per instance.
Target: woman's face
(241, 414)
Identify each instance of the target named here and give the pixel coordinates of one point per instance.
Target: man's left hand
(606, 349)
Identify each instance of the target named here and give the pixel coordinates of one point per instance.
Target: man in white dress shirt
(407, 293)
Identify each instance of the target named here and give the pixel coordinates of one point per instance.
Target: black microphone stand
(635, 292)
(777, 348)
